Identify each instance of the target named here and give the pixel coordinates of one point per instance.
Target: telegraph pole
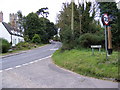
(79, 16)
(72, 18)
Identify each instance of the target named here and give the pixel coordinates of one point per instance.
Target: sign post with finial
(105, 21)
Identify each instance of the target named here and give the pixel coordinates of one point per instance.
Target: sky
(28, 6)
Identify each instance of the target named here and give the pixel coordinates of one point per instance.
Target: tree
(39, 25)
(43, 12)
(111, 9)
(20, 21)
(36, 39)
(81, 14)
(31, 25)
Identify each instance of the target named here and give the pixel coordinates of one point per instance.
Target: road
(29, 56)
(35, 69)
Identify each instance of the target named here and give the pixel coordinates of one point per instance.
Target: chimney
(1, 16)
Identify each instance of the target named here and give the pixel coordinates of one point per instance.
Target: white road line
(18, 66)
(26, 63)
(0, 71)
(8, 69)
(54, 49)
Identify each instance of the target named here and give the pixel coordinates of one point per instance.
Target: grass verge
(84, 63)
(22, 49)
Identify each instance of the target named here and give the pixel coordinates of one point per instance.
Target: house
(12, 34)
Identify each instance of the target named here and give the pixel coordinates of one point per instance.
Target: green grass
(22, 49)
(84, 63)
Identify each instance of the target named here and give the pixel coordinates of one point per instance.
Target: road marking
(26, 64)
(18, 66)
(54, 49)
(8, 69)
(0, 71)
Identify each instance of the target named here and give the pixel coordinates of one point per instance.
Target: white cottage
(11, 34)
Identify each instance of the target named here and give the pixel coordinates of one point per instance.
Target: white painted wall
(6, 35)
(16, 40)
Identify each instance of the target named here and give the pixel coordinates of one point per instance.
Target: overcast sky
(28, 6)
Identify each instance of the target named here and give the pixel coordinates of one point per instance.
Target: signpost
(105, 20)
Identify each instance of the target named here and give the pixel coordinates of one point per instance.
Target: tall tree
(81, 14)
(111, 9)
(20, 21)
(35, 25)
(43, 12)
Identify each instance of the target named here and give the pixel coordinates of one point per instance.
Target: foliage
(83, 23)
(26, 38)
(43, 12)
(24, 45)
(20, 21)
(36, 39)
(84, 63)
(88, 39)
(56, 38)
(4, 46)
(111, 9)
(37, 25)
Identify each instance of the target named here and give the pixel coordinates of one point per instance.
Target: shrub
(25, 45)
(26, 38)
(88, 39)
(67, 39)
(4, 46)
(36, 39)
(56, 38)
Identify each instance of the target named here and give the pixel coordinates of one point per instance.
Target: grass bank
(22, 47)
(84, 63)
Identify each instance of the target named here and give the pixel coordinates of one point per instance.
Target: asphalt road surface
(29, 56)
(35, 69)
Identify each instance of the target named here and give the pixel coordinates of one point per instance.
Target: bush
(88, 39)
(26, 38)
(4, 45)
(36, 39)
(24, 45)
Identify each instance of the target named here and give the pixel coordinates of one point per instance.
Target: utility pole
(72, 18)
(79, 17)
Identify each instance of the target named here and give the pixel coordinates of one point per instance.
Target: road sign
(105, 19)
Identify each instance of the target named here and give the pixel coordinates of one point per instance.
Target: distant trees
(39, 25)
(83, 23)
(20, 21)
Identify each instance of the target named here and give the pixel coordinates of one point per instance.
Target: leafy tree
(20, 21)
(43, 12)
(36, 39)
(32, 24)
(81, 14)
(39, 25)
(111, 9)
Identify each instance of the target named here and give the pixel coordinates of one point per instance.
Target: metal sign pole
(106, 43)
